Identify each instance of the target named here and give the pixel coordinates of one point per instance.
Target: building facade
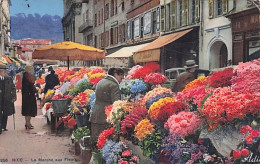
(5, 27)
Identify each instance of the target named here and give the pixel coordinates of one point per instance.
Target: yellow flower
(195, 83)
(143, 128)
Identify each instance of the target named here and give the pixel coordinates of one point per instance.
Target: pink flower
(124, 162)
(244, 152)
(135, 158)
(126, 153)
(236, 154)
(254, 133)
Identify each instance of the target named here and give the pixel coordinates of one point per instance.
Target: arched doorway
(218, 55)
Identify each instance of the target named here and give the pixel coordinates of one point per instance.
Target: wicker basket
(60, 106)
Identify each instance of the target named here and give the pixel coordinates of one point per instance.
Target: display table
(56, 120)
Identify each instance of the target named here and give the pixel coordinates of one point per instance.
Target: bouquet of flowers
(132, 71)
(221, 78)
(164, 108)
(194, 96)
(161, 109)
(49, 94)
(183, 123)
(195, 83)
(145, 70)
(74, 80)
(79, 88)
(143, 128)
(155, 94)
(95, 81)
(97, 75)
(126, 157)
(155, 78)
(104, 136)
(249, 149)
(81, 132)
(247, 77)
(82, 99)
(40, 81)
(178, 150)
(71, 122)
(64, 75)
(110, 151)
(226, 106)
(131, 120)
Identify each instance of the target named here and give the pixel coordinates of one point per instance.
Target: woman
(107, 92)
(29, 107)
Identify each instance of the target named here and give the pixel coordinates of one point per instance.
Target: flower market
(214, 119)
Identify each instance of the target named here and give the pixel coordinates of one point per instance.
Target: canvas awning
(126, 52)
(151, 52)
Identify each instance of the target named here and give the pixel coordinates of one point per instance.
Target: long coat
(182, 80)
(107, 92)
(9, 95)
(29, 106)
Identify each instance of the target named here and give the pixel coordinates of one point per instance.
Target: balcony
(86, 25)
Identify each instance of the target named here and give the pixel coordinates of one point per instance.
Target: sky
(42, 7)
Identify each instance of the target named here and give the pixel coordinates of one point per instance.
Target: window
(111, 36)
(123, 6)
(162, 18)
(99, 18)
(128, 30)
(185, 5)
(154, 22)
(115, 7)
(217, 8)
(112, 8)
(180, 14)
(136, 28)
(106, 11)
(116, 35)
(102, 10)
(142, 27)
(95, 20)
(107, 38)
(173, 15)
(123, 33)
(193, 7)
(147, 23)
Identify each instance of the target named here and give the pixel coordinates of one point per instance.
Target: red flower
(124, 162)
(249, 140)
(126, 153)
(103, 137)
(236, 154)
(71, 123)
(200, 141)
(244, 152)
(245, 129)
(254, 133)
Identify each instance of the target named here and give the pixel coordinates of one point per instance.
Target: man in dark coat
(51, 81)
(107, 92)
(184, 78)
(7, 97)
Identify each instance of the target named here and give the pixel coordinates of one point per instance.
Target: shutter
(197, 10)
(162, 18)
(211, 8)
(224, 6)
(173, 14)
(184, 12)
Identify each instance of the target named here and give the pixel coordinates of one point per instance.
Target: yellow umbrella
(68, 51)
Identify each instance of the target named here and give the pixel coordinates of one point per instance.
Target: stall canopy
(68, 51)
(151, 52)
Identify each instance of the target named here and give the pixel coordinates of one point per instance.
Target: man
(51, 81)
(184, 78)
(7, 97)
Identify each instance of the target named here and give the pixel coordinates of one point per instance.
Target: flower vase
(225, 138)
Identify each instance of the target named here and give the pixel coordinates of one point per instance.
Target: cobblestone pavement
(38, 145)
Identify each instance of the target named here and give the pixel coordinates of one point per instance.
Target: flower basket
(60, 105)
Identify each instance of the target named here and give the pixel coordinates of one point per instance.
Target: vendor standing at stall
(107, 92)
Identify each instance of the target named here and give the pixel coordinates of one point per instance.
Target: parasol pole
(68, 61)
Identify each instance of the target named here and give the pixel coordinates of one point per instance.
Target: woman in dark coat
(29, 107)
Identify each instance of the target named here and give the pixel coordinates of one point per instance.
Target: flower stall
(215, 119)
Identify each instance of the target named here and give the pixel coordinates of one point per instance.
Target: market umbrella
(68, 51)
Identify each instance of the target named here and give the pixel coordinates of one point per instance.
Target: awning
(126, 52)
(151, 52)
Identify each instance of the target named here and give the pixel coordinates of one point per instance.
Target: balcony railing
(86, 25)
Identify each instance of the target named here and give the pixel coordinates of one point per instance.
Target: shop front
(171, 50)
(246, 35)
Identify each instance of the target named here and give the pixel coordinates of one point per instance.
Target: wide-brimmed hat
(3, 67)
(190, 64)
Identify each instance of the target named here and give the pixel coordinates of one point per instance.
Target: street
(38, 145)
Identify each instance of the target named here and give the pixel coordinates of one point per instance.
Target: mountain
(36, 27)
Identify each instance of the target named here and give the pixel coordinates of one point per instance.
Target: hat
(3, 67)
(190, 64)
